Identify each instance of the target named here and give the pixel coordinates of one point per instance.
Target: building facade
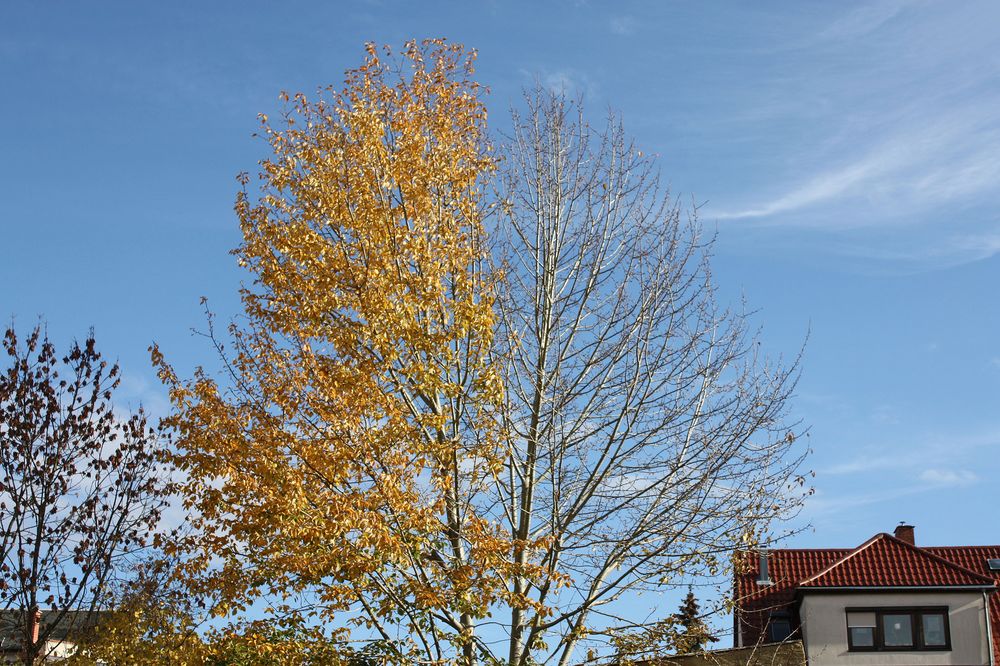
(888, 601)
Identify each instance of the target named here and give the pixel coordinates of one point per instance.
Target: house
(888, 601)
(61, 631)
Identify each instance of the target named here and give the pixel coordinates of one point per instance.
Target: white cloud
(881, 140)
(138, 390)
(948, 477)
(885, 414)
(918, 254)
(818, 189)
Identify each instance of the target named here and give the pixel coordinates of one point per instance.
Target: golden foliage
(140, 634)
(360, 394)
(153, 635)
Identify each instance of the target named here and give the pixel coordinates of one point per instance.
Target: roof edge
(891, 588)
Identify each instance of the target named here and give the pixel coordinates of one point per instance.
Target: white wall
(824, 627)
(53, 650)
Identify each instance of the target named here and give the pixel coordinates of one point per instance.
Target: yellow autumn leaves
(332, 460)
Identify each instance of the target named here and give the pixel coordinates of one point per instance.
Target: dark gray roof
(65, 625)
(788, 653)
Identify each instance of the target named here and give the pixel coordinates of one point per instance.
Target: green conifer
(693, 633)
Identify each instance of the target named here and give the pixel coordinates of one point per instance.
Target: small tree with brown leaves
(80, 491)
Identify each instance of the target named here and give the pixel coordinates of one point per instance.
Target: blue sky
(848, 155)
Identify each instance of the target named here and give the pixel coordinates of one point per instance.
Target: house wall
(824, 627)
(56, 650)
(53, 651)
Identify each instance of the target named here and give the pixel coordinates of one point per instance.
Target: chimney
(904, 532)
(35, 618)
(765, 576)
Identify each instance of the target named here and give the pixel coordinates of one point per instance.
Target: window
(862, 637)
(897, 629)
(779, 627)
(934, 629)
(861, 630)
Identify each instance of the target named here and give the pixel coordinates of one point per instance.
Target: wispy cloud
(816, 190)
(864, 464)
(948, 477)
(931, 162)
(885, 414)
(623, 25)
(863, 20)
(567, 80)
(934, 460)
(914, 252)
(822, 504)
(929, 480)
(881, 135)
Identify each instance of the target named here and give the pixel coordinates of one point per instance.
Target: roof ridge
(851, 554)
(912, 547)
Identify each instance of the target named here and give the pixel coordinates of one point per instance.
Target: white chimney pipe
(765, 576)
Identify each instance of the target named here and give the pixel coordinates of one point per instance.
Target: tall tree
(418, 433)
(647, 433)
(80, 487)
(335, 464)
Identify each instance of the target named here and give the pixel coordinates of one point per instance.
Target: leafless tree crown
(648, 437)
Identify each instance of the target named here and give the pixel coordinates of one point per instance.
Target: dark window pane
(862, 636)
(934, 630)
(897, 630)
(780, 629)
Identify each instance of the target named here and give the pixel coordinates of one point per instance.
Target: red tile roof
(976, 558)
(885, 561)
(882, 561)
(786, 568)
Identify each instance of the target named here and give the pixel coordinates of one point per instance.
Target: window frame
(916, 614)
(774, 618)
(863, 648)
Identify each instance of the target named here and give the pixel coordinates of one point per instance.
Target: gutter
(989, 629)
(908, 588)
